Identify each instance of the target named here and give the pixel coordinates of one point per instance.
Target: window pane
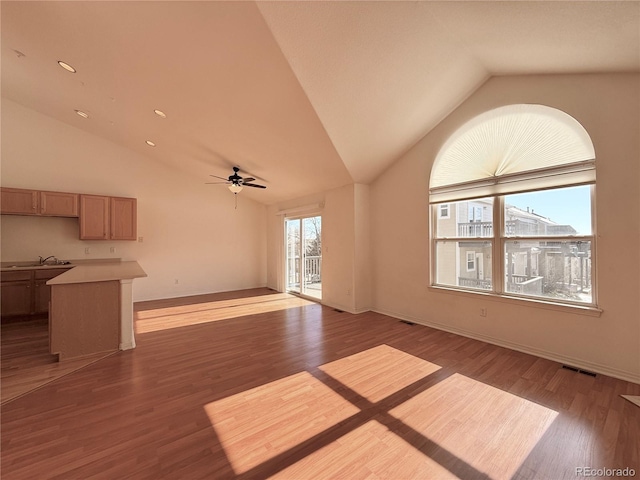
(464, 264)
(557, 212)
(549, 269)
(471, 218)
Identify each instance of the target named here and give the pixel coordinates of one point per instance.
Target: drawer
(15, 276)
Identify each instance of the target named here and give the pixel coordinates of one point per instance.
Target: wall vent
(339, 311)
(407, 322)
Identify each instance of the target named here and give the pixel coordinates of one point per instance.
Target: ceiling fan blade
(221, 178)
(248, 179)
(216, 183)
(253, 185)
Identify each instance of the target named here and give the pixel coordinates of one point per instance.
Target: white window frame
(471, 254)
(507, 150)
(498, 244)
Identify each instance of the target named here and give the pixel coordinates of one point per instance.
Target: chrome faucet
(44, 260)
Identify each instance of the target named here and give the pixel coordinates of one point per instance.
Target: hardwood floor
(26, 363)
(256, 384)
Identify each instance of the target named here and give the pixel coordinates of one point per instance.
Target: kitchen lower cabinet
(16, 298)
(26, 292)
(42, 291)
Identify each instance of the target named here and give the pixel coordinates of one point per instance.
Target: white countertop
(17, 266)
(99, 272)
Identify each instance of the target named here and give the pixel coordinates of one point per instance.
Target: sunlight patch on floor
(257, 425)
(198, 313)
(371, 451)
(497, 429)
(379, 372)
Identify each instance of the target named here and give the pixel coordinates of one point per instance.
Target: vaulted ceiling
(304, 96)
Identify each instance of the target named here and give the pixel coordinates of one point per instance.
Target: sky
(565, 206)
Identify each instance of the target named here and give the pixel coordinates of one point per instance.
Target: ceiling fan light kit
(236, 183)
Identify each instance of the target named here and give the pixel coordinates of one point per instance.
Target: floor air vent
(337, 310)
(578, 370)
(407, 322)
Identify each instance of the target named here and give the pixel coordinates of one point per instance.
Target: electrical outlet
(140, 239)
(483, 312)
(176, 281)
(112, 249)
(87, 250)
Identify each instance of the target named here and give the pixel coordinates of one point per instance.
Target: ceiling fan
(236, 182)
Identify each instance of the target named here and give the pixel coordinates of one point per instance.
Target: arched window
(511, 196)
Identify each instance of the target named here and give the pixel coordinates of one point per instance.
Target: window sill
(526, 302)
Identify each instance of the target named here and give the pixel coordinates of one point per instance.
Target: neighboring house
(536, 267)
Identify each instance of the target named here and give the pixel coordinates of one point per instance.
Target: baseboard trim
(563, 359)
(344, 308)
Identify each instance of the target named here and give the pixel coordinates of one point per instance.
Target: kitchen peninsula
(92, 308)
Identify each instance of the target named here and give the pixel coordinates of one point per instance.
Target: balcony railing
(515, 284)
(475, 229)
(312, 269)
(474, 283)
(512, 227)
(525, 285)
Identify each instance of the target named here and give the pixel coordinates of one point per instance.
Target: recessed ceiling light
(150, 143)
(66, 66)
(160, 113)
(82, 114)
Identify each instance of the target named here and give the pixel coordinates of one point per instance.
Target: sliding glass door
(303, 259)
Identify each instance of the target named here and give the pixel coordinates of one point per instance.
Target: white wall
(607, 106)
(191, 231)
(363, 265)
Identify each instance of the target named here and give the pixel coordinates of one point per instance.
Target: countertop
(17, 266)
(99, 272)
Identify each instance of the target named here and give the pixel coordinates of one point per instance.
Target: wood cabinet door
(123, 218)
(59, 204)
(94, 217)
(42, 291)
(42, 295)
(16, 201)
(15, 298)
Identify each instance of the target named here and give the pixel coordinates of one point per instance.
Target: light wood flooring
(26, 363)
(255, 384)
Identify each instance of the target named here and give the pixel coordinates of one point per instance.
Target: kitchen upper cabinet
(16, 201)
(107, 218)
(101, 217)
(94, 217)
(59, 204)
(123, 212)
